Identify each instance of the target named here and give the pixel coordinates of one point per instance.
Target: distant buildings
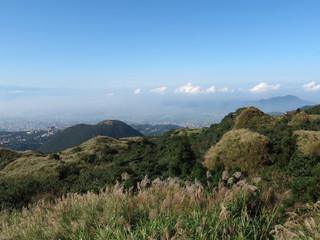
(290, 113)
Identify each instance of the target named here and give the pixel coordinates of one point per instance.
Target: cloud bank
(211, 89)
(160, 90)
(311, 86)
(189, 89)
(264, 87)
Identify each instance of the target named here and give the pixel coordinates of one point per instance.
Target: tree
(183, 161)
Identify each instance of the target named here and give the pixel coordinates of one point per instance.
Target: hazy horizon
(139, 58)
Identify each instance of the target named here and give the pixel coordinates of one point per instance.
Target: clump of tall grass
(304, 223)
(169, 209)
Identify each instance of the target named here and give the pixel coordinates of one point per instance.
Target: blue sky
(119, 52)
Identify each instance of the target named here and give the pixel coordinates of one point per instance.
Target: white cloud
(110, 94)
(211, 90)
(263, 87)
(137, 91)
(159, 90)
(226, 89)
(311, 86)
(188, 89)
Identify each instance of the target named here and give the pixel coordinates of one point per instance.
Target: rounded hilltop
(75, 135)
(252, 117)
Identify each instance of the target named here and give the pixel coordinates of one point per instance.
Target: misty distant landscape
(193, 114)
(25, 134)
(171, 119)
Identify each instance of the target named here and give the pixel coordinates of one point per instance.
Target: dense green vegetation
(75, 135)
(314, 110)
(282, 151)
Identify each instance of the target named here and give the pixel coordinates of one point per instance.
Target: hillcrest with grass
(259, 168)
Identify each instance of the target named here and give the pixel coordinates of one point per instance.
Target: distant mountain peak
(281, 103)
(282, 98)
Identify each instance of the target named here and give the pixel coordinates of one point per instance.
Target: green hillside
(78, 134)
(314, 110)
(248, 151)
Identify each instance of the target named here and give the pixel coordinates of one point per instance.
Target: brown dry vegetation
(159, 210)
(303, 225)
(252, 117)
(308, 142)
(303, 118)
(239, 148)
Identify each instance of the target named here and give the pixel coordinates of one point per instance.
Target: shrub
(54, 156)
(240, 148)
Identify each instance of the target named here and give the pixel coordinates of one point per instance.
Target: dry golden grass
(300, 226)
(308, 142)
(242, 148)
(303, 118)
(167, 209)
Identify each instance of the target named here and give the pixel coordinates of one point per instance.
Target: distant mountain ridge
(281, 104)
(274, 104)
(75, 135)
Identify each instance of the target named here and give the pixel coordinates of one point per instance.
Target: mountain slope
(73, 136)
(314, 110)
(282, 104)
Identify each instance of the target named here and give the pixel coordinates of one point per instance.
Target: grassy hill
(314, 110)
(78, 134)
(252, 117)
(280, 151)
